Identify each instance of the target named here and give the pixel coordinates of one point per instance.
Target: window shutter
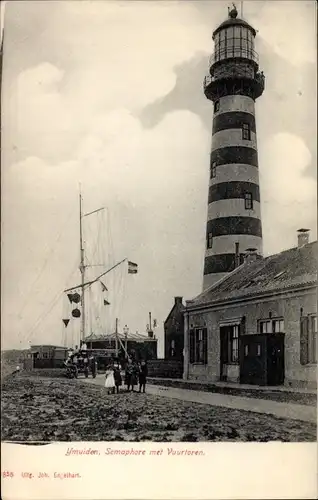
(191, 346)
(205, 346)
(224, 345)
(304, 340)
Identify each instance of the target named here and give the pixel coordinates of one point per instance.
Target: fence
(165, 368)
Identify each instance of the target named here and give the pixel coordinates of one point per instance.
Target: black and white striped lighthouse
(233, 85)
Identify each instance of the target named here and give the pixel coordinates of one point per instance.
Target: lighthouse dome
(232, 21)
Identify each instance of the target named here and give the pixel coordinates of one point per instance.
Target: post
(186, 347)
(82, 270)
(116, 332)
(126, 334)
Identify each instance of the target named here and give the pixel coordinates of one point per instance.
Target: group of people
(135, 374)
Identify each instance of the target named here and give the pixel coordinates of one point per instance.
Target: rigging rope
(48, 310)
(46, 260)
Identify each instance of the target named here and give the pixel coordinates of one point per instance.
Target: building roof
(136, 337)
(47, 346)
(287, 270)
(177, 304)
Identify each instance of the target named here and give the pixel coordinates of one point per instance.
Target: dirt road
(46, 409)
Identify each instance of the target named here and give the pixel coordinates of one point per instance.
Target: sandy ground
(47, 409)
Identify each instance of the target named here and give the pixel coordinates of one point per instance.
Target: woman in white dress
(110, 380)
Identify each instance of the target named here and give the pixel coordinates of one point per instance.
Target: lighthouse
(233, 84)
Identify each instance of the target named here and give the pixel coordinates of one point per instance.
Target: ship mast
(82, 270)
(82, 266)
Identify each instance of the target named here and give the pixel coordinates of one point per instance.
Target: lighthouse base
(210, 279)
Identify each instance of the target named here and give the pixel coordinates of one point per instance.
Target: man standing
(143, 372)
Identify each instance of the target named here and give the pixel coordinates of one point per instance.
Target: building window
(278, 326)
(265, 326)
(258, 349)
(216, 106)
(313, 339)
(308, 339)
(246, 132)
(198, 346)
(213, 170)
(271, 326)
(246, 350)
(209, 240)
(234, 344)
(172, 349)
(248, 201)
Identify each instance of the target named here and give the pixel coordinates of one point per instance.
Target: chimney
(303, 237)
(178, 300)
(250, 255)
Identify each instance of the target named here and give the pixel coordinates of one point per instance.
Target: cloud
(288, 196)
(289, 29)
(78, 79)
(153, 183)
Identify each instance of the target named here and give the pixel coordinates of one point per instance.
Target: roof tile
(288, 269)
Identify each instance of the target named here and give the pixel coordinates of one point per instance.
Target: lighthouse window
(209, 240)
(248, 201)
(213, 170)
(216, 106)
(246, 132)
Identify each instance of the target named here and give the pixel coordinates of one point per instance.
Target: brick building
(174, 328)
(258, 325)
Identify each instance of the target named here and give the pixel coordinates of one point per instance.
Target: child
(117, 377)
(110, 380)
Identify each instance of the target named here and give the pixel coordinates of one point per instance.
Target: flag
(132, 268)
(66, 322)
(106, 303)
(104, 287)
(154, 323)
(70, 297)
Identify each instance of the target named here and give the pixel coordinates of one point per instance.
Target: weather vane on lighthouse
(233, 12)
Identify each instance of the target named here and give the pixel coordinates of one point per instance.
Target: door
(224, 335)
(253, 359)
(275, 359)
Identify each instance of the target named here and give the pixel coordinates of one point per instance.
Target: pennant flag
(66, 322)
(106, 303)
(132, 268)
(70, 297)
(104, 287)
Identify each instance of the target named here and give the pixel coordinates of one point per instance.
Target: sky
(109, 95)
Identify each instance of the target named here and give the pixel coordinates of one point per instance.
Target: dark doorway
(229, 348)
(262, 359)
(224, 336)
(275, 359)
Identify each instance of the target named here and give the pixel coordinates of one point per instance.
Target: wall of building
(286, 307)
(174, 331)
